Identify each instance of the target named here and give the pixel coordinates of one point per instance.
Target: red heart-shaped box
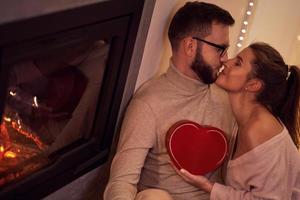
(198, 149)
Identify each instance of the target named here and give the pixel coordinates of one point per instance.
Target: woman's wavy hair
(280, 93)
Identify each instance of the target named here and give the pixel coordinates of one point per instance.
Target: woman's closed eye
(237, 63)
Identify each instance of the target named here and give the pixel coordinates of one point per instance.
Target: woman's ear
(190, 46)
(254, 85)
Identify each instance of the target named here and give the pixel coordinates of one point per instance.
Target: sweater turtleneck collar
(184, 82)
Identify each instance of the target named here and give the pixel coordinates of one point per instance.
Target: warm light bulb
(245, 22)
(251, 4)
(241, 38)
(239, 45)
(248, 12)
(243, 30)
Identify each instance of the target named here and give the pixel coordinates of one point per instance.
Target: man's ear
(190, 46)
(254, 85)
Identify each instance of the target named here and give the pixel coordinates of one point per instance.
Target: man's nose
(224, 58)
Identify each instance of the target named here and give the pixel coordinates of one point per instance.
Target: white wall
(277, 22)
(156, 40)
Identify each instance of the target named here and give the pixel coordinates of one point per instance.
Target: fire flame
(9, 154)
(6, 154)
(36, 139)
(4, 136)
(6, 145)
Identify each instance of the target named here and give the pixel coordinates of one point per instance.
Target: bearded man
(141, 169)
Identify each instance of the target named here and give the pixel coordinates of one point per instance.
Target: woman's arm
(222, 192)
(198, 181)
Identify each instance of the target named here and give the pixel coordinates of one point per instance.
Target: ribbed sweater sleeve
(136, 138)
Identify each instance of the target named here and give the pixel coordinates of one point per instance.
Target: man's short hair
(196, 18)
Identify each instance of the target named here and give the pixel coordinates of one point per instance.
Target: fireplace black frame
(117, 20)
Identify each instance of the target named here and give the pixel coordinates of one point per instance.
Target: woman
(264, 95)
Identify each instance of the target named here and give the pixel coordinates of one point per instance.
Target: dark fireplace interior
(63, 77)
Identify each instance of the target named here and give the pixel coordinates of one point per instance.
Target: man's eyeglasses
(221, 49)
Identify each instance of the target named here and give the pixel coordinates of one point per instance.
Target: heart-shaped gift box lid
(198, 149)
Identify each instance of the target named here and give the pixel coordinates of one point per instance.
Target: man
(199, 36)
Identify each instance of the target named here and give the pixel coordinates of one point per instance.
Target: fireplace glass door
(50, 103)
(64, 76)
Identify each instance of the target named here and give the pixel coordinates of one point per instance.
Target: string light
(245, 23)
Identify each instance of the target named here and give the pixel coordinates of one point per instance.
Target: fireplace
(62, 76)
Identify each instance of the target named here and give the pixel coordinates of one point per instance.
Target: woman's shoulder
(261, 128)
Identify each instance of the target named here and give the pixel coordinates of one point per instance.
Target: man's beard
(203, 70)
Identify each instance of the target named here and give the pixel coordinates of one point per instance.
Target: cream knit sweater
(141, 160)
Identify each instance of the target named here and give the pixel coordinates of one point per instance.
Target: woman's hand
(196, 180)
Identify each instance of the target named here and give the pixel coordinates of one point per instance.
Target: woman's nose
(226, 64)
